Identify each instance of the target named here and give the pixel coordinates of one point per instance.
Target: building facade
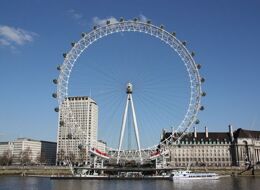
(30, 151)
(246, 147)
(5, 147)
(26, 146)
(218, 149)
(71, 139)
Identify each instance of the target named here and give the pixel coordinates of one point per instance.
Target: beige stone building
(232, 148)
(246, 147)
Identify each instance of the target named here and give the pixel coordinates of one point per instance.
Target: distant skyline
(34, 34)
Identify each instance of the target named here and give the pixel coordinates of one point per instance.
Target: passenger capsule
(55, 81)
(108, 22)
(149, 22)
(135, 19)
(161, 27)
(198, 66)
(184, 43)
(72, 44)
(121, 19)
(203, 94)
(56, 109)
(174, 34)
(64, 55)
(69, 136)
(192, 54)
(197, 122)
(54, 95)
(80, 146)
(58, 67)
(202, 108)
(94, 27)
(202, 79)
(61, 123)
(83, 34)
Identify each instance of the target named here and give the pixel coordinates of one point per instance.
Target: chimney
(206, 132)
(195, 132)
(231, 132)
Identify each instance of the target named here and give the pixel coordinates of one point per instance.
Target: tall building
(232, 148)
(71, 140)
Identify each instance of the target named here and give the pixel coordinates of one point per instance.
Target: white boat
(187, 174)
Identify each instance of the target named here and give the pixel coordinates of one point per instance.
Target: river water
(42, 183)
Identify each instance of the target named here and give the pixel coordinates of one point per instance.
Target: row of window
(201, 159)
(201, 150)
(201, 154)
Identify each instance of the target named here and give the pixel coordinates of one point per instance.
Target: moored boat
(187, 174)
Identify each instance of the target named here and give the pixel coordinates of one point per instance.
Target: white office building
(76, 129)
(23, 144)
(6, 146)
(33, 148)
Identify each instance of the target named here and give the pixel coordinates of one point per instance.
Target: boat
(187, 174)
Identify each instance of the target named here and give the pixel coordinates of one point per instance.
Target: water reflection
(111, 184)
(37, 183)
(196, 184)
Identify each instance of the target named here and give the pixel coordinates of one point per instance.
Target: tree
(7, 158)
(61, 155)
(26, 156)
(41, 158)
(82, 155)
(71, 157)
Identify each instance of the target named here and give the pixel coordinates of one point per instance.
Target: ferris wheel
(122, 26)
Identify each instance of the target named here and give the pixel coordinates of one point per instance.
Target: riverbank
(65, 171)
(35, 171)
(235, 171)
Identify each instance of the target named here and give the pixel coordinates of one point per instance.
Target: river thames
(42, 183)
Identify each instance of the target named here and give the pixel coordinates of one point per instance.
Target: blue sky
(34, 34)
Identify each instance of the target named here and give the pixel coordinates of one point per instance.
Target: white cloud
(75, 15)
(4, 42)
(101, 22)
(10, 36)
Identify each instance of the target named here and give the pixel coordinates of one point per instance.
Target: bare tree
(61, 155)
(7, 158)
(26, 156)
(71, 157)
(41, 158)
(82, 155)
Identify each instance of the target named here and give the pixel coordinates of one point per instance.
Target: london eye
(145, 96)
